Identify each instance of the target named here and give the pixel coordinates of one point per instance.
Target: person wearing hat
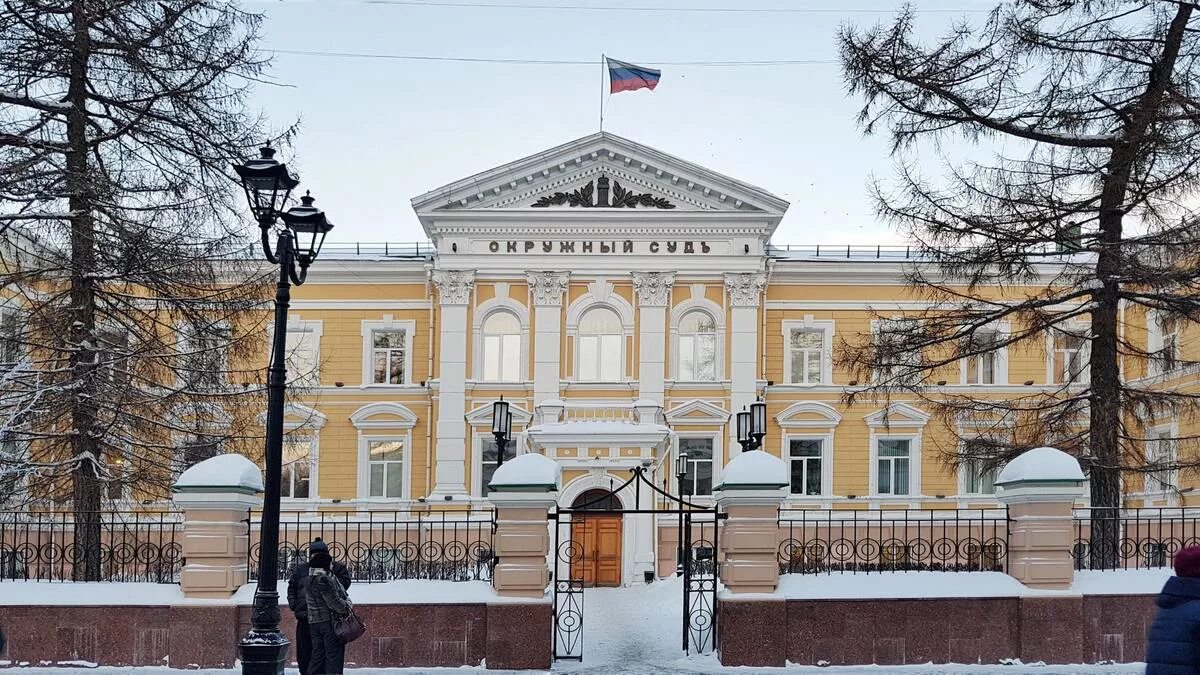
(1173, 646)
(298, 600)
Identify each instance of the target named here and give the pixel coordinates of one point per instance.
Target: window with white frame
(385, 459)
(697, 347)
(600, 342)
(986, 363)
(699, 477)
(893, 466)
(805, 457)
(893, 360)
(388, 353)
(488, 460)
(977, 477)
(806, 355)
(1163, 344)
(206, 357)
(303, 356)
(298, 457)
(501, 347)
(1069, 356)
(112, 359)
(1160, 460)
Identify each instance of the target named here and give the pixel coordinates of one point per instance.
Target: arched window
(600, 348)
(501, 348)
(697, 347)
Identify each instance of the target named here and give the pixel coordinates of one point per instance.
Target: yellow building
(625, 303)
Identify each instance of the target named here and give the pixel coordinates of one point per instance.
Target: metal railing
(133, 546)
(946, 540)
(385, 545)
(879, 251)
(1144, 537)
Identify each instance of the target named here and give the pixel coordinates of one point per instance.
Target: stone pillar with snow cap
(1040, 488)
(754, 486)
(522, 491)
(216, 496)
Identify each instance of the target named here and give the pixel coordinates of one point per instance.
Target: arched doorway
(596, 535)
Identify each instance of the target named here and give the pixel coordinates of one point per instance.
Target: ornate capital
(548, 287)
(454, 286)
(653, 288)
(745, 288)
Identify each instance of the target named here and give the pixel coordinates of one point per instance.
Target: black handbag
(349, 628)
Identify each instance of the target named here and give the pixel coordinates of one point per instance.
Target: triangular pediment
(897, 415)
(697, 410)
(571, 176)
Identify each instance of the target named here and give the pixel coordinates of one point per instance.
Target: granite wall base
(206, 636)
(1056, 630)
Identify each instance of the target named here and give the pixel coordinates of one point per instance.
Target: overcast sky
(377, 132)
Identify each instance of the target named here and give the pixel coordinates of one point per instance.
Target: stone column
(520, 633)
(653, 296)
(751, 621)
(215, 497)
(548, 289)
(745, 294)
(454, 291)
(1040, 488)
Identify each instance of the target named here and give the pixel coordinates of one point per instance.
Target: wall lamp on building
(752, 426)
(298, 240)
(501, 428)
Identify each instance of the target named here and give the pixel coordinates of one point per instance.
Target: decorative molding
(620, 197)
(395, 416)
(454, 286)
(600, 289)
(653, 288)
(697, 411)
(548, 287)
(897, 415)
(829, 416)
(745, 288)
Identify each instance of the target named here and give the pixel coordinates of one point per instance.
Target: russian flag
(628, 77)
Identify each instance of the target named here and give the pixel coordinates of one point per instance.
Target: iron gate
(697, 562)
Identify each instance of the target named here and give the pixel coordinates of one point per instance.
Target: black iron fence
(948, 540)
(121, 546)
(416, 543)
(1133, 538)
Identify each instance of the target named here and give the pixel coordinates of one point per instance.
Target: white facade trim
(483, 311)
(697, 302)
(710, 413)
(808, 323)
(785, 419)
(387, 323)
(897, 415)
(364, 463)
(796, 433)
(914, 464)
(362, 418)
(1004, 330)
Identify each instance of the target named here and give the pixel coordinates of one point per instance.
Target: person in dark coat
(1173, 646)
(298, 601)
(327, 602)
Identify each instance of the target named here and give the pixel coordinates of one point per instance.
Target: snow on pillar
(454, 290)
(1040, 488)
(548, 288)
(523, 491)
(751, 491)
(215, 496)
(653, 295)
(745, 292)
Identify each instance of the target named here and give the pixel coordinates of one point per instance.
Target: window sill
(378, 385)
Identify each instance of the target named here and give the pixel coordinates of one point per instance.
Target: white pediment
(697, 411)
(534, 182)
(482, 416)
(897, 415)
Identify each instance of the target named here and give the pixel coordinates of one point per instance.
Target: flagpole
(601, 91)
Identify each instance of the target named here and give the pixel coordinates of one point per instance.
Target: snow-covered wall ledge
(215, 496)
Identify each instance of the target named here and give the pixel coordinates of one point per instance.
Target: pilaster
(454, 293)
(548, 289)
(745, 297)
(653, 296)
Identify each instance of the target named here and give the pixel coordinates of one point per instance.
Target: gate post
(1040, 488)
(751, 628)
(520, 632)
(215, 496)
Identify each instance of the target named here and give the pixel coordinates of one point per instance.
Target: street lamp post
(501, 428)
(752, 426)
(681, 463)
(268, 184)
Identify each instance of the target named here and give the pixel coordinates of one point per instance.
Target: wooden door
(599, 539)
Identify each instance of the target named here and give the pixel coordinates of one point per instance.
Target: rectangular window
(11, 459)
(303, 368)
(297, 467)
(806, 465)
(1160, 459)
(982, 367)
(893, 466)
(387, 356)
(1164, 343)
(1069, 358)
(806, 348)
(386, 461)
(488, 456)
(206, 357)
(698, 479)
(112, 358)
(893, 361)
(977, 479)
(501, 358)
(600, 358)
(697, 358)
